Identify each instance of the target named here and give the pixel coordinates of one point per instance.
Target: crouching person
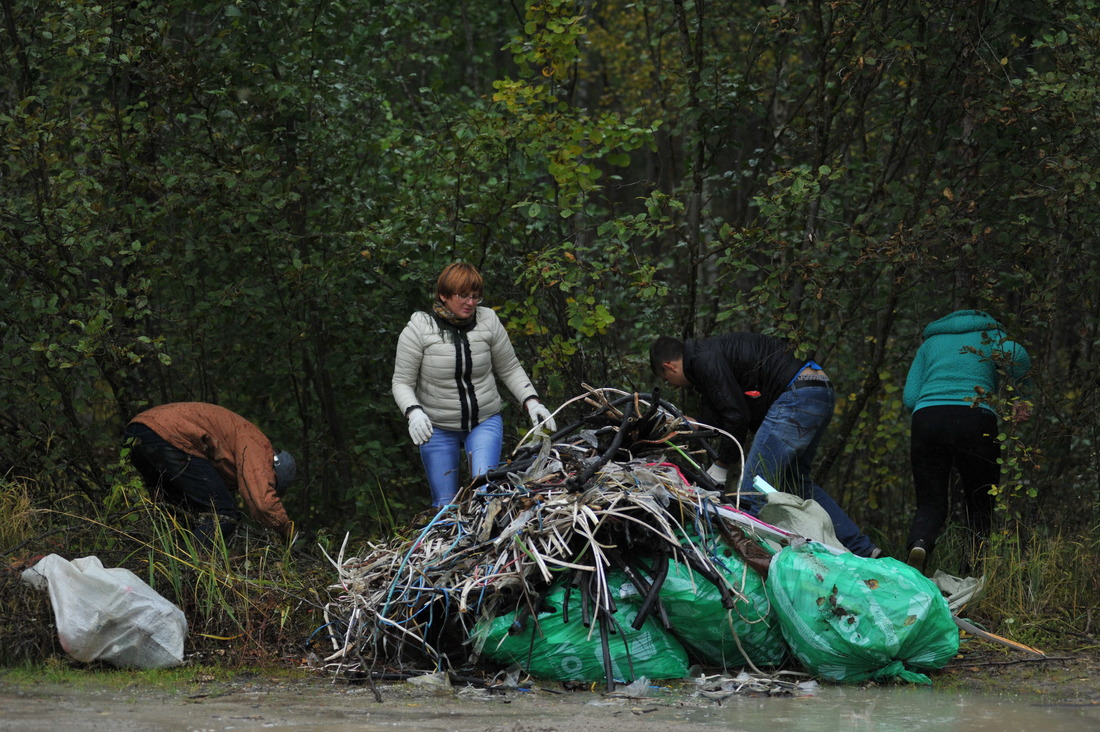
(191, 455)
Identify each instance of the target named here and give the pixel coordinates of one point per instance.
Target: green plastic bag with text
(555, 650)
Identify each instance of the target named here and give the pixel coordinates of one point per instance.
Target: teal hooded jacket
(965, 358)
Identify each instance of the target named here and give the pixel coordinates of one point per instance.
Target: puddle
(897, 709)
(318, 706)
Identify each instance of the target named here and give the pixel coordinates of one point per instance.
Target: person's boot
(918, 553)
(208, 526)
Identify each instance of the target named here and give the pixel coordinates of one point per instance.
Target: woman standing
(965, 359)
(444, 381)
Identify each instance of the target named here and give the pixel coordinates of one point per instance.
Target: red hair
(458, 279)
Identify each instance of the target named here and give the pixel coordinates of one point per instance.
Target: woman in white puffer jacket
(444, 381)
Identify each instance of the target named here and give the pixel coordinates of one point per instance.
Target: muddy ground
(1068, 681)
(1068, 674)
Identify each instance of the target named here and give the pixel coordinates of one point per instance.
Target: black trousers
(947, 438)
(183, 481)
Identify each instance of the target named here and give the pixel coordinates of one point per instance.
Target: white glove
(540, 414)
(420, 427)
(717, 473)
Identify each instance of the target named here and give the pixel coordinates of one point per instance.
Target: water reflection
(47, 707)
(895, 710)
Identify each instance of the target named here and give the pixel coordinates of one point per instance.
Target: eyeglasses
(469, 298)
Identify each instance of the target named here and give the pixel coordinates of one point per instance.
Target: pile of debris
(605, 552)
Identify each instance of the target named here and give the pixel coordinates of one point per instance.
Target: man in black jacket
(754, 382)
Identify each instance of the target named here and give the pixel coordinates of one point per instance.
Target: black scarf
(454, 329)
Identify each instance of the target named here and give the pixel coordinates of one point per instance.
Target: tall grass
(1043, 586)
(247, 600)
(16, 513)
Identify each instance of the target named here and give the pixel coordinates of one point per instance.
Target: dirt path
(992, 684)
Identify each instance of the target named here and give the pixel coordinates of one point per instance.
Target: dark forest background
(242, 202)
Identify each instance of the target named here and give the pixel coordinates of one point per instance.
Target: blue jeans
(441, 456)
(783, 450)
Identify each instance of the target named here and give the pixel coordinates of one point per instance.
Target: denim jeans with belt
(783, 450)
(441, 456)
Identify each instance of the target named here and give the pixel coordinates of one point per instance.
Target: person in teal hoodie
(965, 360)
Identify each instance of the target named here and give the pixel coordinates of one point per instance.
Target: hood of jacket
(962, 321)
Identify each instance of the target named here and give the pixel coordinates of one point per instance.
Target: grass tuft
(250, 600)
(1042, 586)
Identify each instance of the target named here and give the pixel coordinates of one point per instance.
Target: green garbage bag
(850, 619)
(717, 636)
(555, 650)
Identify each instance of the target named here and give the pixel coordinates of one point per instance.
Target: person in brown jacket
(191, 454)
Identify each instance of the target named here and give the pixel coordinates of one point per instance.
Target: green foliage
(242, 203)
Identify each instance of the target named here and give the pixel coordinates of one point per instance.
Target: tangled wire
(621, 489)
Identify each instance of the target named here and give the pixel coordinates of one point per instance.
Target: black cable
(576, 483)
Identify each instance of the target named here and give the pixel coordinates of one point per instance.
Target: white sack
(110, 615)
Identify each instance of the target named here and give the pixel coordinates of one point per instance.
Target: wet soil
(978, 691)
(1071, 674)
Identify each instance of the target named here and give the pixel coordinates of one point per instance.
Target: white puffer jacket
(455, 382)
